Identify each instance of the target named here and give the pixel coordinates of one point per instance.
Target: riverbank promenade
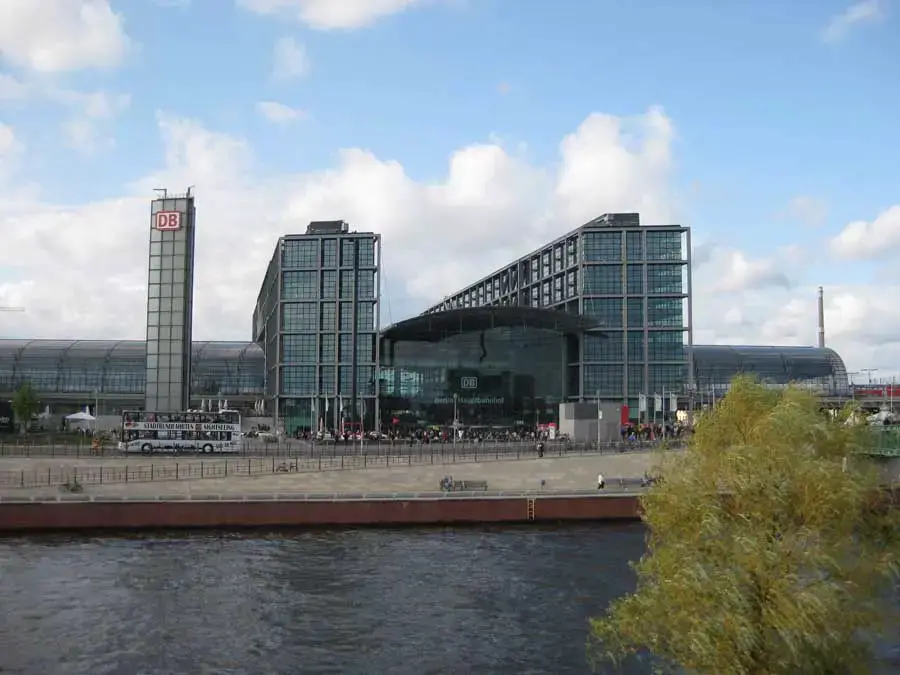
(230, 479)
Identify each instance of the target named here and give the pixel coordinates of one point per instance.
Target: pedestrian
(600, 482)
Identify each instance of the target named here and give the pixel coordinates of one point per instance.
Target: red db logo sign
(167, 221)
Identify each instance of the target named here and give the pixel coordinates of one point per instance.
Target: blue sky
(783, 127)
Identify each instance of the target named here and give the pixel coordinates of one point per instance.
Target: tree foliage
(25, 404)
(766, 555)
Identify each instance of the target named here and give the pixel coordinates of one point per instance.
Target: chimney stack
(821, 318)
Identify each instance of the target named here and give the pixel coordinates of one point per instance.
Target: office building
(170, 302)
(317, 320)
(632, 280)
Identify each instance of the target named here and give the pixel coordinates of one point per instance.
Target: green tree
(25, 404)
(766, 553)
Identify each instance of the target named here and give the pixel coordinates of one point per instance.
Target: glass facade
(520, 365)
(503, 376)
(114, 372)
(170, 298)
(317, 320)
(632, 279)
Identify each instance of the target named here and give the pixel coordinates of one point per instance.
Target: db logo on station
(468, 383)
(167, 221)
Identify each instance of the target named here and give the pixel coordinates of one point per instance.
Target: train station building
(601, 314)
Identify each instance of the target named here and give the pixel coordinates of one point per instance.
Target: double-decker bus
(192, 431)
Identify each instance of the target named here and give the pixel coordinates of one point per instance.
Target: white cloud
(330, 14)
(54, 36)
(806, 210)
(734, 272)
(278, 113)
(856, 15)
(289, 59)
(862, 239)
(490, 207)
(80, 270)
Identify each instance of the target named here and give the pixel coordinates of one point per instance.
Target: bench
(465, 486)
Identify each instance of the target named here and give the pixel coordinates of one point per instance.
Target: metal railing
(171, 470)
(22, 448)
(615, 487)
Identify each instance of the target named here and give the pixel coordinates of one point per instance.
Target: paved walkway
(559, 474)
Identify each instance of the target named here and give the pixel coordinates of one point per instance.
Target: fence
(293, 448)
(172, 470)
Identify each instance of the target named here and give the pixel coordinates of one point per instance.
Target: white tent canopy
(80, 417)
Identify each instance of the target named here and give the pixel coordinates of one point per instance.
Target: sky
(466, 132)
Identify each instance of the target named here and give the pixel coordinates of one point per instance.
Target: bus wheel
(207, 448)
(147, 449)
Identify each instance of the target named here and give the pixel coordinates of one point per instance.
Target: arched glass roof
(118, 366)
(820, 368)
(437, 325)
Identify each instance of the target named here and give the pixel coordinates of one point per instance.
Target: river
(442, 601)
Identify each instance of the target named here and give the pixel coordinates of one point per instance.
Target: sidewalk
(558, 474)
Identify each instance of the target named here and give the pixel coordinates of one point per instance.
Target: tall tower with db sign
(170, 302)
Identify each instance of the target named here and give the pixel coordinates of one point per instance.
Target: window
(635, 309)
(299, 286)
(603, 280)
(345, 355)
(347, 284)
(635, 278)
(664, 245)
(572, 284)
(664, 279)
(607, 310)
(329, 253)
(365, 284)
(665, 312)
(303, 254)
(602, 246)
(298, 380)
(571, 252)
(328, 316)
(603, 379)
(636, 352)
(327, 347)
(329, 284)
(346, 322)
(365, 381)
(634, 245)
(636, 384)
(365, 316)
(367, 252)
(667, 378)
(545, 264)
(603, 347)
(298, 316)
(666, 345)
(345, 384)
(365, 348)
(348, 250)
(298, 348)
(327, 384)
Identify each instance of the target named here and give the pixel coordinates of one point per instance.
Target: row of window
(325, 348)
(315, 252)
(611, 347)
(610, 280)
(619, 312)
(128, 381)
(637, 245)
(326, 316)
(332, 380)
(305, 285)
(608, 380)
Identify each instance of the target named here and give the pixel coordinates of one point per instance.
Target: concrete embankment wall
(37, 516)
